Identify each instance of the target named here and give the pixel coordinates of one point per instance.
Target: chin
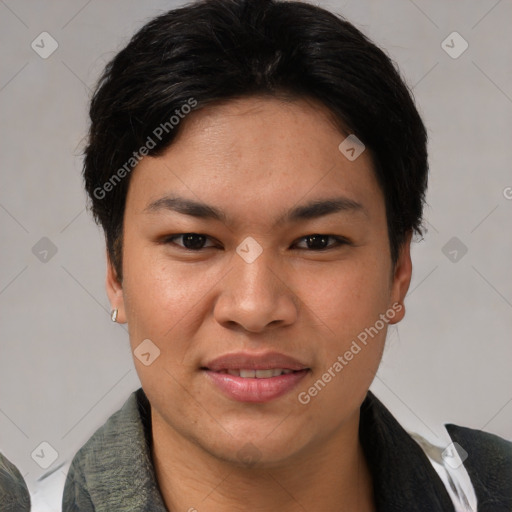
(256, 452)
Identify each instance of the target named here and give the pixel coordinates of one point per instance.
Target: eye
(319, 242)
(190, 241)
(316, 242)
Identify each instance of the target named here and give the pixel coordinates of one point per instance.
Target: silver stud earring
(113, 315)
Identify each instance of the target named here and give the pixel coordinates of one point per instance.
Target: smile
(255, 386)
(258, 374)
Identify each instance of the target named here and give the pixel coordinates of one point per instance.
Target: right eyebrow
(186, 207)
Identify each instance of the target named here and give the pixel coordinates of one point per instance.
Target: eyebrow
(308, 211)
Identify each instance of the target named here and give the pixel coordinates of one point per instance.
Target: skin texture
(255, 159)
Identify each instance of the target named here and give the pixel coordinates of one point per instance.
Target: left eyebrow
(320, 208)
(308, 211)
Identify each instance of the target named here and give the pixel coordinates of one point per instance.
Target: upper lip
(248, 361)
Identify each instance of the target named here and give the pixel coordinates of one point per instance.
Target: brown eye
(318, 242)
(190, 241)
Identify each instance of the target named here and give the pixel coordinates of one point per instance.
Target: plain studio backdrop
(65, 367)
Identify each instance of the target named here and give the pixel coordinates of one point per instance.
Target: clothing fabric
(14, 495)
(113, 471)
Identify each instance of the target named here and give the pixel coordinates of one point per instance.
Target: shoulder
(104, 458)
(14, 495)
(489, 466)
(109, 442)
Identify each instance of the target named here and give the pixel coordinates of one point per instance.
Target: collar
(403, 477)
(114, 469)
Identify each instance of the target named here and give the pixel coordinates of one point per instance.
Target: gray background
(65, 367)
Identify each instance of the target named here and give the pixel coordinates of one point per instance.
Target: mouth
(255, 374)
(254, 377)
(243, 362)
(254, 388)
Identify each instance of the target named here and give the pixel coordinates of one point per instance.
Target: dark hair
(212, 51)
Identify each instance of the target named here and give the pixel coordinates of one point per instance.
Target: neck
(331, 475)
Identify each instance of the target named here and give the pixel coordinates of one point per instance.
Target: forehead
(290, 130)
(256, 154)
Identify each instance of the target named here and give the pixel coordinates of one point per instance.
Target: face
(254, 234)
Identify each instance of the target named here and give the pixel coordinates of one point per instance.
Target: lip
(256, 361)
(256, 390)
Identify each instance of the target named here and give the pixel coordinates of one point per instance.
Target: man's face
(256, 160)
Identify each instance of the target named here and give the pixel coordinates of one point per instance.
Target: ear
(115, 291)
(401, 280)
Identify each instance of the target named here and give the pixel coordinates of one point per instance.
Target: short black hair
(212, 51)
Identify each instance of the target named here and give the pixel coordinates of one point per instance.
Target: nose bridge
(254, 275)
(254, 283)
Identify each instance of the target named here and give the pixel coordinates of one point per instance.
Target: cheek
(163, 304)
(349, 340)
(348, 296)
(156, 304)
(348, 301)
(158, 294)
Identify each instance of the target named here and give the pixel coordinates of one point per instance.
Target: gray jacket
(14, 495)
(113, 471)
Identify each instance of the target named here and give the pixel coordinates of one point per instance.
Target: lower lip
(253, 389)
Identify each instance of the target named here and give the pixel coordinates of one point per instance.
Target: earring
(113, 315)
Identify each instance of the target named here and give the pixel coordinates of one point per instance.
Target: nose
(256, 296)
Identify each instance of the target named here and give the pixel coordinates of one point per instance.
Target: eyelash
(340, 241)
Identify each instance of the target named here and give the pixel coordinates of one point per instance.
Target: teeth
(258, 374)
